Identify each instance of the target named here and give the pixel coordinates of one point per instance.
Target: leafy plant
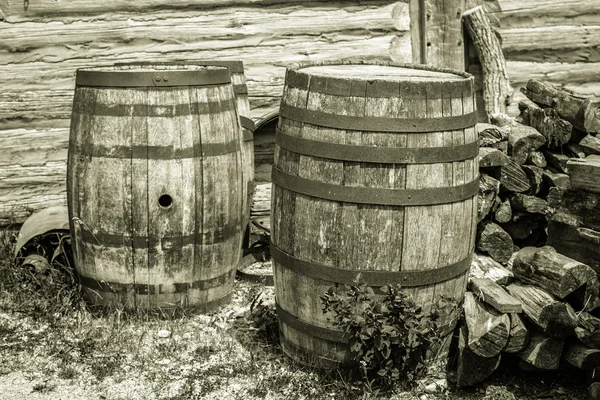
(390, 337)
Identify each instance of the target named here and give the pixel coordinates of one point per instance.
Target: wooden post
(437, 34)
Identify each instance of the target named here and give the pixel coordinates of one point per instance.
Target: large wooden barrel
(154, 185)
(375, 173)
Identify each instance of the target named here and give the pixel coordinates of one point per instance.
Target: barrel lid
(150, 75)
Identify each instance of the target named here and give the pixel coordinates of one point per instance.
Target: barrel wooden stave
(370, 237)
(192, 242)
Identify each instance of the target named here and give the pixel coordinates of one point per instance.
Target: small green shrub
(389, 335)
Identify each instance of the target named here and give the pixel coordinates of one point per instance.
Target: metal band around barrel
(144, 78)
(378, 124)
(371, 154)
(312, 330)
(371, 278)
(379, 196)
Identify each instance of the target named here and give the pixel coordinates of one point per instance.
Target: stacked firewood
(533, 287)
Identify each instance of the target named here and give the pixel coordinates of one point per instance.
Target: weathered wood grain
(472, 368)
(519, 335)
(542, 352)
(579, 243)
(488, 328)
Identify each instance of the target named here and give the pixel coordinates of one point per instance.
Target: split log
(493, 294)
(513, 178)
(581, 356)
(502, 146)
(490, 157)
(590, 144)
(537, 158)
(522, 140)
(581, 112)
(497, 91)
(556, 179)
(542, 352)
(488, 328)
(534, 174)
(496, 242)
(504, 212)
(486, 267)
(557, 160)
(528, 204)
(585, 174)
(521, 225)
(490, 134)
(577, 208)
(472, 368)
(546, 121)
(519, 335)
(581, 244)
(557, 274)
(588, 330)
(554, 317)
(574, 150)
(488, 190)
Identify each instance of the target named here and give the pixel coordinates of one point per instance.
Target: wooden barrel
(375, 173)
(154, 185)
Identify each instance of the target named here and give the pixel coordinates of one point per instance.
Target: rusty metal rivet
(165, 78)
(157, 78)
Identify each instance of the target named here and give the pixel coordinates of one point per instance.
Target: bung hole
(165, 201)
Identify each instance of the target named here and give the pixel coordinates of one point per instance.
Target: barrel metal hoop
(377, 196)
(168, 243)
(240, 88)
(372, 154)
(371, 278)
(163, 78)
(309, 329)
(146, 289)
(247, 123)
(157, 152)
(378, 124)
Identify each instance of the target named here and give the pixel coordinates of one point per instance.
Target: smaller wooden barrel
(375, 174)
(155, 185)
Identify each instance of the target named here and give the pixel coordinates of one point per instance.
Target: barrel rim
(235, 66)
(103, 76)
(295, 67)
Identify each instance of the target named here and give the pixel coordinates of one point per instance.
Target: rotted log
(535, 176)
(490, 134)
(522, 140)
(493, 294)
(555, 318)
(487, 268)
(556, 179)
(513, 179)
(557, 274)
(495, 241)
(519, 335)
(473, 368)
(590, 145)
(488, 328)
(503, 212)
(585, 174)
(579, 243)
(577, 208)
(542, 351)
(557, 160)
(490, 157)
(547, 122)
(581, 356)
(521, 226)
(488, 190)
(588, 330)
(537, 158)
(528, 204)
(581, 112)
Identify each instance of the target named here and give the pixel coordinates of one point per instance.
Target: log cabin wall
(43, 42)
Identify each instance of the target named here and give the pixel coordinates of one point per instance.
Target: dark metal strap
(148, 289)
(241, 88)
(387, 155)
(378, 124)
(311, 330)
(371, 278)
(381, 196)
(247, 123)
(145, 78)
(157, 152)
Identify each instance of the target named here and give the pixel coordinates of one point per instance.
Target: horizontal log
(488, 328)
(495, 241)
(493, 294)
(585, 173)
(519, 335)
(472, 368)
(581, 356)
(578, 208)
(485, 267)
(581, 244)
(543, 351)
